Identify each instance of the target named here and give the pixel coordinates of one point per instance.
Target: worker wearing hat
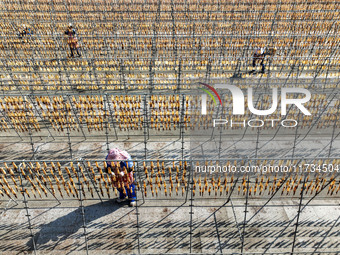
(259, 56)
(72, 40)
(126, 177)
(25, 31)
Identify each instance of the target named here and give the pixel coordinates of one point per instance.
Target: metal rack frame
(182, 65)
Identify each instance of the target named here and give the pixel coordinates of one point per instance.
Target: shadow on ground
(68, 225)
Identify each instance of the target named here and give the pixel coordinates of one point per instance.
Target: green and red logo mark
(204, 97)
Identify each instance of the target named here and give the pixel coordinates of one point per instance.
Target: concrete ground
(210, 147)
(165, 227)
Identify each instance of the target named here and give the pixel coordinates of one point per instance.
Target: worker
(259, 56)
(72, 40)
(26, 31)
(128, 181)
